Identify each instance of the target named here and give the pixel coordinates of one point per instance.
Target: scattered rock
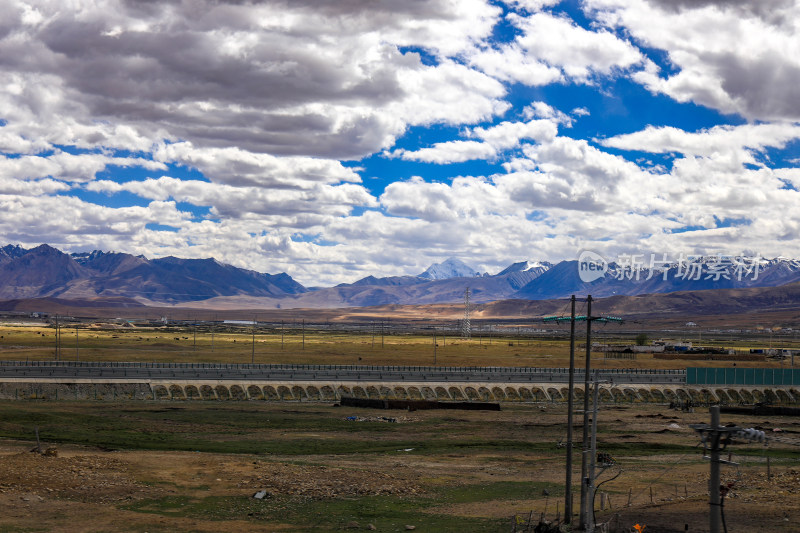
(81, 478)
(323, 482)
(410, 528)
(390, 419)
(351, 525)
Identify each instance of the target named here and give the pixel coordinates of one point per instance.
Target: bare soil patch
(466, 472)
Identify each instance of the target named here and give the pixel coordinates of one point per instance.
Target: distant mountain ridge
(440, 283)
(45, 272)
(9, 252)
(704, 273)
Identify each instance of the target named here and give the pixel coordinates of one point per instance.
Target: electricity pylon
(466, 327)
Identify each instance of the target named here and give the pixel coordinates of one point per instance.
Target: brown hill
(766, 306)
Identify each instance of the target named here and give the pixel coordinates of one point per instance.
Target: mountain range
(45, 272)
(703, 273)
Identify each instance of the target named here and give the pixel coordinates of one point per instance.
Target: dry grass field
(107, 341)
(182, 466)
(195, 466)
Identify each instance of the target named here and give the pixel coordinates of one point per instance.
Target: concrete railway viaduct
(207, 381)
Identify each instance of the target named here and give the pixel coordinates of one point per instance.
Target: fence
(361, 368)
(742, 376)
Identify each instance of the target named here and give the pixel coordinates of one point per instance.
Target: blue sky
(334, 141)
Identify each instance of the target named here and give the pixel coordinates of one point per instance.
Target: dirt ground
(82, 489)
(89, 489)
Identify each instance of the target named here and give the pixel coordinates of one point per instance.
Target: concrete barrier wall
(167, 390)
(74, 391)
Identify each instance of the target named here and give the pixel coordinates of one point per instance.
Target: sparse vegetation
(505, 347)
(194, 466)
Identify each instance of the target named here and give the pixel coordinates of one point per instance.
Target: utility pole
(77, 355)
(585, 519)
(714, 515)
(434, 345)
(570, 407)
(714, 439)
(586, 481)
(593, 456)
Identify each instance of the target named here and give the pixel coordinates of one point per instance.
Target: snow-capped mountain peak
(526, 266)
(450, 268)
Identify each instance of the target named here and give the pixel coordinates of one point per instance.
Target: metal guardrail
(351, 368)
(221, 371)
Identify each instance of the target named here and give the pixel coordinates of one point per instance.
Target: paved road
(325, 373)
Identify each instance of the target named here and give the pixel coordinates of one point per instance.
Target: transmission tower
(466, 328)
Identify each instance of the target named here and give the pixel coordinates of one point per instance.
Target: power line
(587, 469)
(715, 438)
